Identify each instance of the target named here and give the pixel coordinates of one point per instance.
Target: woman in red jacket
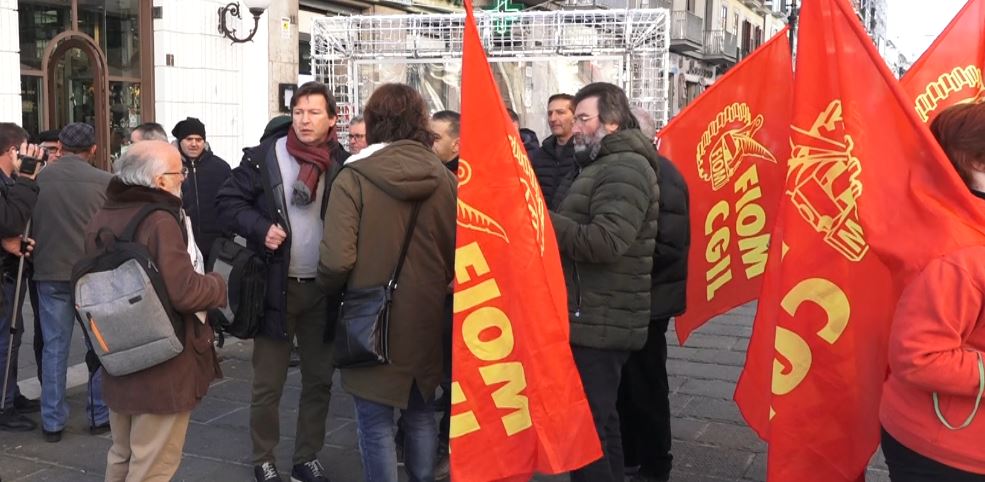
(931, 431)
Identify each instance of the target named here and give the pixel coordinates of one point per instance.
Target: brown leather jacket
(178, 384)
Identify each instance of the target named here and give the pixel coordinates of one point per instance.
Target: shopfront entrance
(87, 61)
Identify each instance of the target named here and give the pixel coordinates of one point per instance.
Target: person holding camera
(72, 190)
(18, 195)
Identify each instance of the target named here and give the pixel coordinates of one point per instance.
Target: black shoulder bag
(363, 328)
(245, 274)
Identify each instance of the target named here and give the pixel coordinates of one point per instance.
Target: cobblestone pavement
(711, 441)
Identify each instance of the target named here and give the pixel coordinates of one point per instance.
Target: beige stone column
(282, 18)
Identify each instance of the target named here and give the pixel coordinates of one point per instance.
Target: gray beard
(588, 151)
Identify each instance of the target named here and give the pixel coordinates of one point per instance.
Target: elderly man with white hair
(150, 409)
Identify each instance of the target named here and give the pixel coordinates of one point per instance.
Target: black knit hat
(188, 127)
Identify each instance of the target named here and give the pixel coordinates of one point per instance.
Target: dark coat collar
(120, 195)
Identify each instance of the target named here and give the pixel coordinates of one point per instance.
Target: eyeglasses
(583, 119)
(357, 137)
(183, 173)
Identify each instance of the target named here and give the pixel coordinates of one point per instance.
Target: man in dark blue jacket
(644, 394)
(276, 199)
(206, 174)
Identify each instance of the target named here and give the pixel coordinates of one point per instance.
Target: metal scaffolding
(533, 55)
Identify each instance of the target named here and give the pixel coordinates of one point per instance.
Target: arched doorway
(76, 84)
(87, 61)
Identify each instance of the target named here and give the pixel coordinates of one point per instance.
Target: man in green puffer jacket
(606, 225)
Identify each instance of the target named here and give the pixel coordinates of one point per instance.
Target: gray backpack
(122, 304)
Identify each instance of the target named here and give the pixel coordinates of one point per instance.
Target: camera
(29, 165)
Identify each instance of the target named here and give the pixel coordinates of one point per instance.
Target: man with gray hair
(606, 222)
(644, 394)
(148, 131)
(150, 409)
(357, 135)
(71, 191)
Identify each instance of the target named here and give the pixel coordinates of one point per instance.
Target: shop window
(80, 87)
(31, 103)
(304, 54)
(115, 26)
(39, 22)
(123, 38)
(73, 94)
(124, 113)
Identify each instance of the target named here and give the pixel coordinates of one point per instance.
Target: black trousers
(644, 406)
(600, 372)
(906, 465)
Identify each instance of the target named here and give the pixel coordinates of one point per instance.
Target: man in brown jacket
(150, 409)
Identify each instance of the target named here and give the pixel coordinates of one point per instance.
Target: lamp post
(256, 8)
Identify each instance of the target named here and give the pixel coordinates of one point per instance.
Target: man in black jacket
(276, 200)
(555, 160)
(18, 195)
(206, 174)
(644, 394)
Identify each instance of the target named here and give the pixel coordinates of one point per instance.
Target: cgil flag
(731, 146)
(863, 209)
(518, 406)
(950, 71)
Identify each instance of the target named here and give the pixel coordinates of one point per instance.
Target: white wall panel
(10, 85)
(223, 84)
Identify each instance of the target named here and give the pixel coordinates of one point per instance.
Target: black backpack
(245, 274)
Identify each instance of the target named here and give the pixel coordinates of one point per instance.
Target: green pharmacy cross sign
(502, 25)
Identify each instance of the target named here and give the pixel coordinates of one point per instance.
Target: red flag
(517, 401)
(869, 199)
(950, 71)
(731, 146)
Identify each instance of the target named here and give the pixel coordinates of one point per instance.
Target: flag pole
(792, 19)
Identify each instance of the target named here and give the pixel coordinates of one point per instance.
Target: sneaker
(52, 437)
(99, 429)
(26, 405)
(310, 471)
(266, 472)
(11, 421)
(442, 468)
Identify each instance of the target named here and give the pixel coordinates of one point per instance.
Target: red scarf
(314, 161)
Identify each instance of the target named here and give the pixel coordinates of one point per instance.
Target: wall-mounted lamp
(256, 8)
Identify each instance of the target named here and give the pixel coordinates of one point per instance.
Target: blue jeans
(57, 323)
(375, 430)
(7, 285)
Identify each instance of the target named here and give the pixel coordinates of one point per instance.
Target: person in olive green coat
(369, 209)
(606, 225)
